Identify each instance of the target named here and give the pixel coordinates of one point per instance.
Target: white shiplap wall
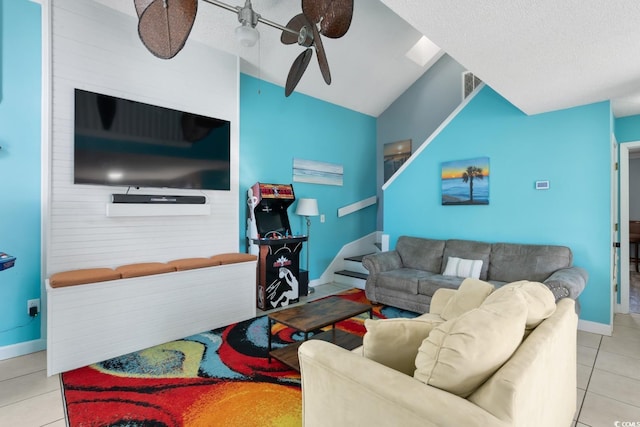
(97, 49)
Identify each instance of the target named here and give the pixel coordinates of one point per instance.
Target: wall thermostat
(6, 261)
(542, 185)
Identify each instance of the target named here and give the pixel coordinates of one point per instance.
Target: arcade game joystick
(6, 261)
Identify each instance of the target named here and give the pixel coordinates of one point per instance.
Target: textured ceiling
(542, 55)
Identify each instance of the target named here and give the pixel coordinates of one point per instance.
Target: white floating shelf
(151, 209)
(354, 207)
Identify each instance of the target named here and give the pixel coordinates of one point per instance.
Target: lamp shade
(307, 207)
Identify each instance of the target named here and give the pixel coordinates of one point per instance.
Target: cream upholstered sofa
(505, 360)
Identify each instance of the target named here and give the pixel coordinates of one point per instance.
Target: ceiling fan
(164, 26)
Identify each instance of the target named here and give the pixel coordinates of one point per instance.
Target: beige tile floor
(608, 380)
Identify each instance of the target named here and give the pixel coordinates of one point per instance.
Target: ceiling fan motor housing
(305, 36)
(246, 15)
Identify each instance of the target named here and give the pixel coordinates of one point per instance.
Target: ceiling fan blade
(297, 70)
(296, 23)
(164, 30)
(141, 5)
(322, 56)
(314, 9)
(334, 16)
(337, 19)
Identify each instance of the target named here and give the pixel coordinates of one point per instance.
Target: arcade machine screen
(271, 225)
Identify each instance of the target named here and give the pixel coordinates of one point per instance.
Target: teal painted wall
(20, 94)
(628, 129)
(570, 148)
(274, 130)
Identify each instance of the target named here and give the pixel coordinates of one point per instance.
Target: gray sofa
(408, 276)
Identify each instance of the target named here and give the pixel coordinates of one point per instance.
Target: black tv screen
(128, 143)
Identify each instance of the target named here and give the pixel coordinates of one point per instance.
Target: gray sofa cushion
(402, 279)
(421, 254)
(512, 262)
(428, 285)
(397, 300)
(497, 283)
(468, 249)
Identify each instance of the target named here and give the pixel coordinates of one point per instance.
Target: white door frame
(623, 306)
(615, 232)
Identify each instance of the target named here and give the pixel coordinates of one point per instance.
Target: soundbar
(159, 199)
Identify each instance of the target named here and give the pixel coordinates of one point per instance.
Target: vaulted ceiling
(541, 55)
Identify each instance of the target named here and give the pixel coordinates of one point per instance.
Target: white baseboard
(314, 283)
(27, 347)
(594, 327)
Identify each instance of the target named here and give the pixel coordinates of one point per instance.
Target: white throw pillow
(394, 342)
(461, 354)
(460, 267)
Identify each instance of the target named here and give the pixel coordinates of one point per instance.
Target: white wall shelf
(354, 207)
(150, 209)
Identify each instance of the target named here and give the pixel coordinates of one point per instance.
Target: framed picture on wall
(465, 182)
(395, 154)
(313, 172)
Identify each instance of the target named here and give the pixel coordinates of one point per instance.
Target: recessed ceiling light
(423, 51)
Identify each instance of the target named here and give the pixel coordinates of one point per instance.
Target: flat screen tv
(120, 142)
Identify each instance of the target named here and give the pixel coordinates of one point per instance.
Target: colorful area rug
(216, 378)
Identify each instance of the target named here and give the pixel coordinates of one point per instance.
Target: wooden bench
(100, 313)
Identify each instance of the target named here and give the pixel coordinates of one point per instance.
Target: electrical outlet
(33, 303)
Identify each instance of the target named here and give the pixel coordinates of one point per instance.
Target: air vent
(469, 83)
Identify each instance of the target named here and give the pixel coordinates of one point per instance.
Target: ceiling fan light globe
(246, 35)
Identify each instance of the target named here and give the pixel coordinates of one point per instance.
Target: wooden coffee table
(311, 317)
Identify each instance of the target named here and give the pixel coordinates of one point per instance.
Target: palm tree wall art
(466, 182)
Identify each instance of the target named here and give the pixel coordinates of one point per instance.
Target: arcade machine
(269, 237)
